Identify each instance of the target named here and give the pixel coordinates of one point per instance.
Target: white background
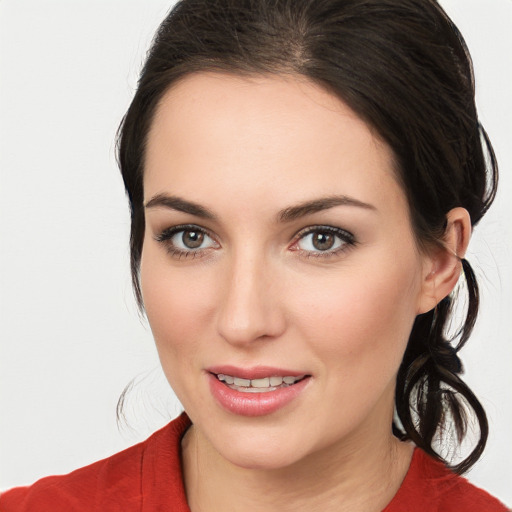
(71, 338)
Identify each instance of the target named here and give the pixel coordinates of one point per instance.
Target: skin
(257, 292)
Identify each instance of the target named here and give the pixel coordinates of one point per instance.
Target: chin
(263, 460)
(261, 448)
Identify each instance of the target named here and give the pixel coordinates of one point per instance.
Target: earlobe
(443, 264)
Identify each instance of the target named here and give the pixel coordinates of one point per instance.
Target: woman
(303, 180)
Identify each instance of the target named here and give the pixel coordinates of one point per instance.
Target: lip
(255, 372)
(254, 404)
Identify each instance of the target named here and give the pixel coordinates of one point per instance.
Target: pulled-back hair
(404, 68)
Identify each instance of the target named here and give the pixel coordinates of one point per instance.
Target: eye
(185, 241)
(323, 240)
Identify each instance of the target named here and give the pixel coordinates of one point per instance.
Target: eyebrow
(286, 215)
(318, 205)
(180, 205)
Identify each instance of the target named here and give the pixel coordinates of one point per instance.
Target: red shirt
(147, 478)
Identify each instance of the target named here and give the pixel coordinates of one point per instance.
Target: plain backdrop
(71, 338)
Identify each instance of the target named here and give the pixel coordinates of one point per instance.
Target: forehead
(250, 132)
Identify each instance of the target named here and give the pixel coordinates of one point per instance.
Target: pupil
(192, 239)
(323, 241)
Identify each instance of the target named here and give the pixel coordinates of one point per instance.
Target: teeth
(242, 382)
(276, 381)
(257, 385)
(260, 383)
(226, 378)
(255, 390)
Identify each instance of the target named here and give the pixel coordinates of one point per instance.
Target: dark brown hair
(404, 68)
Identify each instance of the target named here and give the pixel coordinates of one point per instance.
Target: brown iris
(323, 241)
(192, 239)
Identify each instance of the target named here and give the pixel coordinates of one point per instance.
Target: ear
(443, 265)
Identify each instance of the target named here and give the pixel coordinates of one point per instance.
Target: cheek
(360, 321)
(178, 305)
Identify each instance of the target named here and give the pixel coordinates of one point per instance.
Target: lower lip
(254, 404)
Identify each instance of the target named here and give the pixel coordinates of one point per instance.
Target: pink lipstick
(255, 391)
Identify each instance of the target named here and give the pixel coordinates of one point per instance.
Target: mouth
(260, 385)
(256, 391)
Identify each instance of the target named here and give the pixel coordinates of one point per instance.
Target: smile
(262, 385)
(256, 391)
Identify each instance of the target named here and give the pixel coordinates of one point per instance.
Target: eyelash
(348, 241)
(167, 234)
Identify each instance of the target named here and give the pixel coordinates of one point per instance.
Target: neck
(361, 473)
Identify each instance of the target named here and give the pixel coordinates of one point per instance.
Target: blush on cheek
(362, 321)
(178, 306)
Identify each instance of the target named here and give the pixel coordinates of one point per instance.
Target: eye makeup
(323, 241)
(187, 241)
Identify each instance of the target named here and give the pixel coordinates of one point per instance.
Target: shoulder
(431, 487)
(81, 488)
(114, 483)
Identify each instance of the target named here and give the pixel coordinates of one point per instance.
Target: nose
(250, 308)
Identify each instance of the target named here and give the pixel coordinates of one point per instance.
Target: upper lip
(255, 372)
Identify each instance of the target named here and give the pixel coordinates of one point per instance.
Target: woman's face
(278, 245)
